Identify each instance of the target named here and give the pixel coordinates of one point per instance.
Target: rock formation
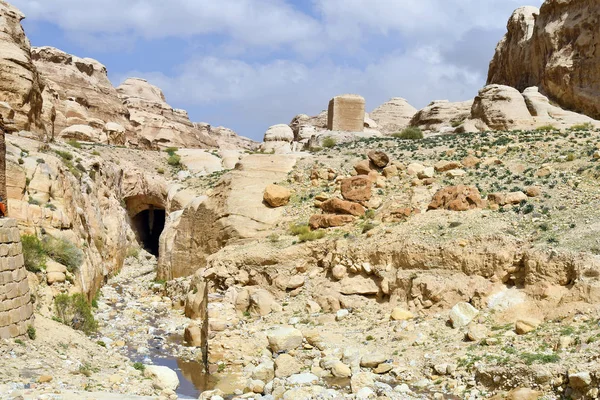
(442, 115)
(553, 48)
(278, 139)
(3, 191)
(346, 113)
(79, 92)
(155, 123)
(226, 138)
(20, 84)
(393, 115)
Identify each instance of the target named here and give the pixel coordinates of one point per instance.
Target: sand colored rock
(276, 196)
(457, 198)
(393, 115)
(440, 115)
(339, 206)
(357, 188)
(329, 221)
(346, 113)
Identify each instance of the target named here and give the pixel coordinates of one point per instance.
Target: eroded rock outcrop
(393, 115)
(20, 84)
(155, 123)
(442, 115)
(80, 93)
(553, 48)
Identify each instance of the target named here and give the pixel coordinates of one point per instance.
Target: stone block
(346, 113)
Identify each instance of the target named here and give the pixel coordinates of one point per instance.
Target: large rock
(20, 83)
(457, 198)
(325, 221)
(501, 108)
(338, 206)
(155, 122)
(441, 115)
(276, 196)
(162, 377)
(78, 89)
(553, 48)
(357, 188)
(226, 138)
(234, 210)
(346, 113)
(284, 338)
(278, 139)
(462, 314)
(393, 115)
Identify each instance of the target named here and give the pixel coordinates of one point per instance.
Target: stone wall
(16, 309)
(346, 113)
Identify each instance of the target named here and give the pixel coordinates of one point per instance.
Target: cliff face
(554, 48)
(20, 84)
(78, 89)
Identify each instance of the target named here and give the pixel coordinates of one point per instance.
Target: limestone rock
(457, 198)
(346, 113)
(338, 206)
(501, 108)
(372, 360)
(526, 325)
(341, 370)
(462, 314)
(286, 365)
(580, 380)
(276, 196)
(156, 122)
(552, 48)
(162, 377)
(444, 166)
(363, 167)
(284, 338)
(193, 335)
(359, 285)
(393, 115)
(357, 188)
(400, 314)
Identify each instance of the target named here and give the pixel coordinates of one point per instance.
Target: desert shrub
(411, 133)
(33, 253)
(583, 127)
(133, 252)
(95, 153)
(63, 251)
(65, 155)
(329, 142)
(75, 312)
(139, 366)
(299, 229)
(174, 160)
(160, 171)
(545, 128)
(367, 227)
(74, 143)
(171, 150)
(311, 235)
(33, 201)
(31, 332)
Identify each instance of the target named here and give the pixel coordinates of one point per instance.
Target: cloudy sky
(249, 64)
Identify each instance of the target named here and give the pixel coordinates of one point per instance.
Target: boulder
(526, 325)
(444, 166)
(363, 167)
(379, 158)
(276, 196)
(393, 115)
(359, 285)
(193, 335)
(503, 199)
(357, 188)
(279, 133)
(462, 314)
(372, 360)
(338, 206)
(286, 365)
(162, 377)
(457, 198)
(284, 338)
(400, 314)
(325, 221)
(440, 115)
(502, 108)
(341, 370)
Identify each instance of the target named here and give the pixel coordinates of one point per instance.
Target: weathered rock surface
(20, 85)
(457, 198)
(553, 48)
(440, 115)
(155, 123)
(79, 91)
(278, 139)
(393, 115)
(276, 196)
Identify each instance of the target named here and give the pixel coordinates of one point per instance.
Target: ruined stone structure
(16, 309)
(346, 113)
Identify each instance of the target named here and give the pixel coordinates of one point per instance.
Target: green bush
(74, 143)
(583, 127)
(75, 312)
(33, 253)
(31, 332)
(329, 142)
(545, 128)
(139, 366)
(174, 160)
(63, 251)
(411, 133)
(65, 155)
(311, 235)
(171, 150)
(299, 229)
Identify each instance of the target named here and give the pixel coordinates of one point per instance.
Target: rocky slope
(553, 48)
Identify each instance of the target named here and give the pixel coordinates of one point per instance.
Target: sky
(250, 64)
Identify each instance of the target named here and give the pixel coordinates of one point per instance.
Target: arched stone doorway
(147, 216)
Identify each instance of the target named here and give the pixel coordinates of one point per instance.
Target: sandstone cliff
(20, 84)
(79, 91)
(553, 48)
(155, 122)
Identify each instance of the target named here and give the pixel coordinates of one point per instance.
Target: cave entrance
(148, 226)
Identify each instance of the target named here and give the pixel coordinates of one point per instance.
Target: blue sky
(249, 64)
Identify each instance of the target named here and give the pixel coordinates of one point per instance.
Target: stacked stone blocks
(16, 309)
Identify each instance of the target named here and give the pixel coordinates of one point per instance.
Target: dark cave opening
(148, 226)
